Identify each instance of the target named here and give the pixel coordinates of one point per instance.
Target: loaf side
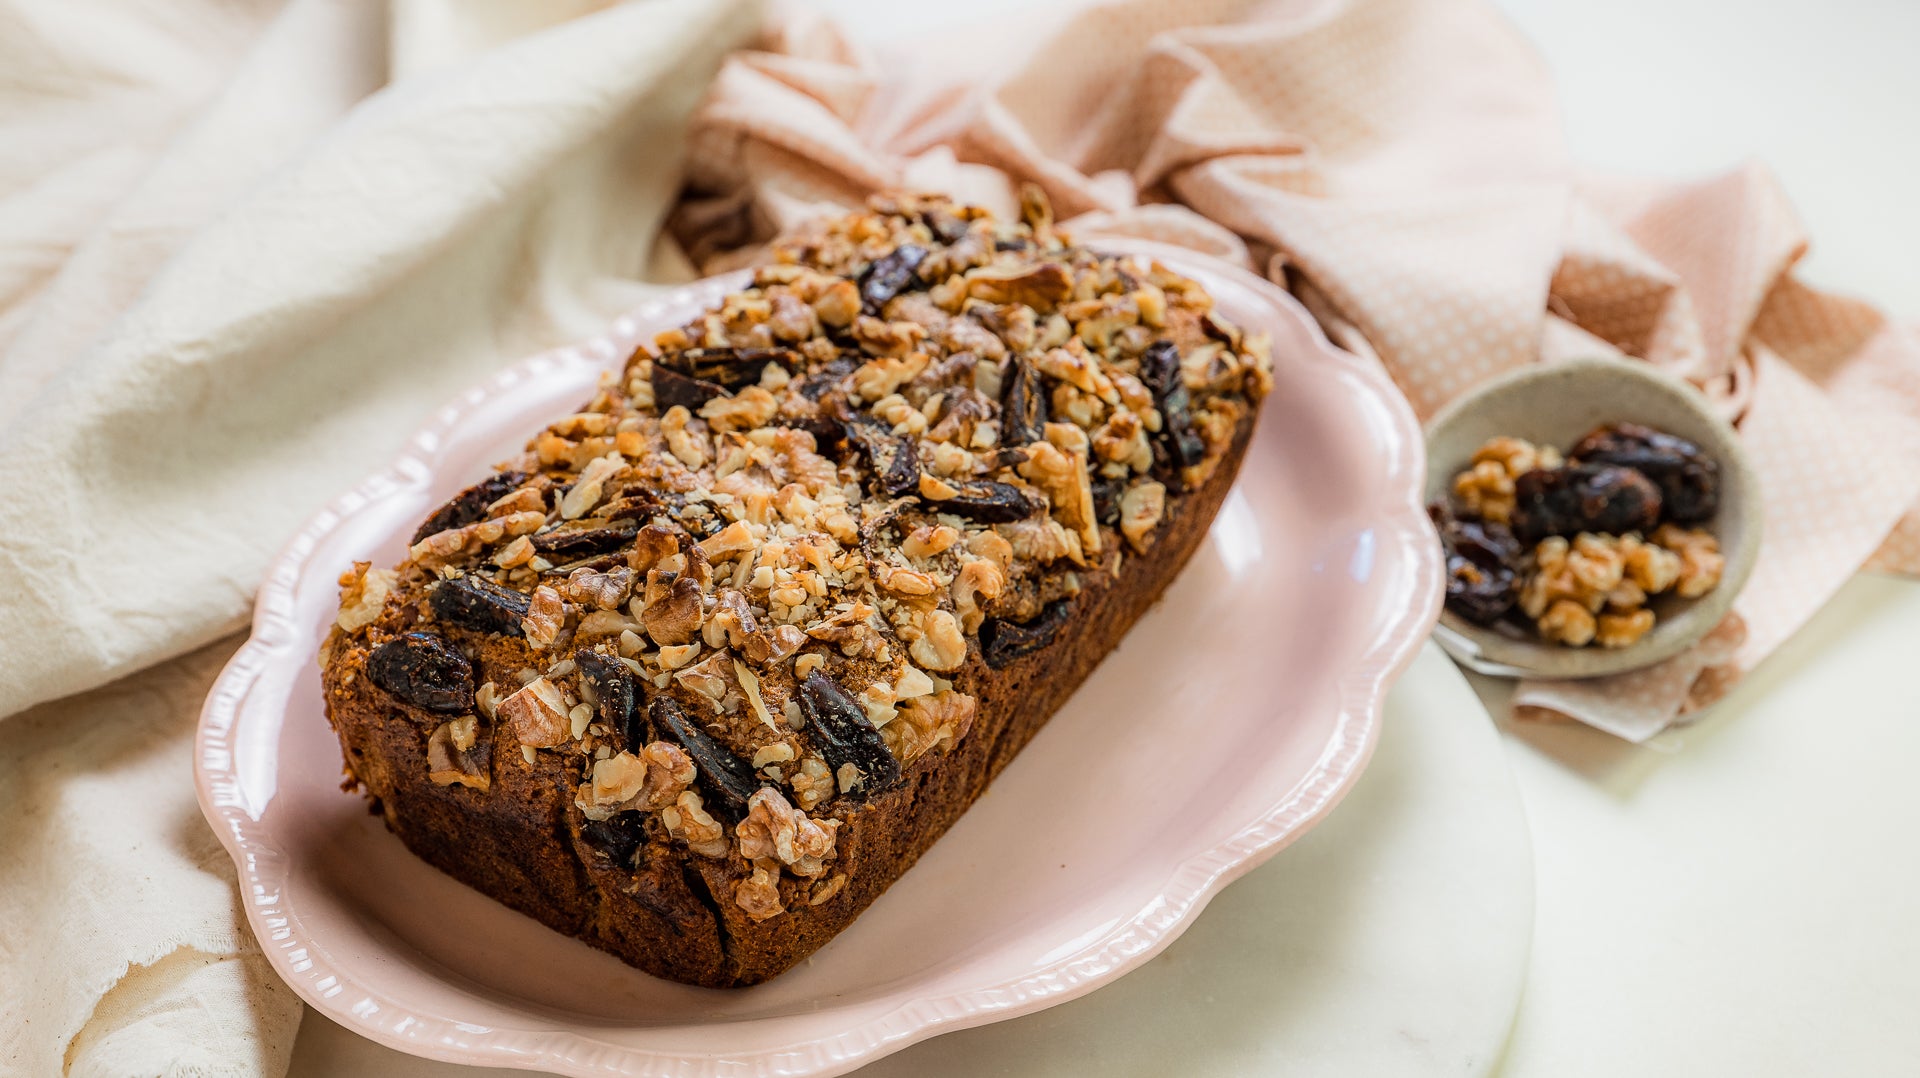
(699, 674)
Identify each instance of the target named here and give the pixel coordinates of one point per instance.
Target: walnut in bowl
(1600, 515)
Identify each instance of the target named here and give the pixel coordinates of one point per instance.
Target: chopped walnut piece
(1653, 568)
(713, 678)
(1141, 509)
(1063, 478)
(686, 446)
(777, 753)
(791, 320)
(519, 552)
(1701, 563)
(364, 595)
(927, 722)
(1486, 491)
(673, 610)
(537, 714)
(1486, 488)
(649, 781)
(687, 820)
(588, 489)
(1621, 630)
(942, 644)
(812, 782)
(456, 755)
(1567, 622)
(751, 407)
(977, 580)
(1596, 563)
(735, 538)
(1040, 287)
(774, 644)
(824, 892)
(929, 541)
(759, 894)
(675, 656)
(603, 590)
(880, 377)
(1123, 440)
(774, 828)
(1517, 455)
(838, 304)
(652, 544)
(442, 547)
(546, 616)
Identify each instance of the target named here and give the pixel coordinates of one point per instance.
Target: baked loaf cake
(706, 668)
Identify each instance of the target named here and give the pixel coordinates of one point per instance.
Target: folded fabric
(1399, 165)
(244, 250)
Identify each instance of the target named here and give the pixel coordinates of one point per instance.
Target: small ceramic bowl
(1556, 404)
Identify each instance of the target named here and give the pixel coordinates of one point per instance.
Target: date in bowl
(1555, 405)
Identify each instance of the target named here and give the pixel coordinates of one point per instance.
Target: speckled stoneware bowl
(1555, 404)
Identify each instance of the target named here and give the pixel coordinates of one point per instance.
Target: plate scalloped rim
(303, 963)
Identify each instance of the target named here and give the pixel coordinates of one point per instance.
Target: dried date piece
(1688, 479)
(844, 736)
(945, 226)
(671, 388)
(485, 607)
(829, 377)
(1482, 542)
(728, 368)
(726, 781)
(1483, 566)
(619, 836)
(1480, 594)
(598, 538)
(1106, 500)
(1001, 642)
(617, 696)
(894, 460)
(423, 670)
(470, 505)
(984, 501)
(632, 503)
(1160, 373)
(1023, 405)
(1583, 498)
(889, 275)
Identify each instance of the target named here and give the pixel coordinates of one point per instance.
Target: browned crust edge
(519, 843)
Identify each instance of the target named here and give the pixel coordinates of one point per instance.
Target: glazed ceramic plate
(1232, 718)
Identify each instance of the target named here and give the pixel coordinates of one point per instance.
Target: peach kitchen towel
(1399, 164)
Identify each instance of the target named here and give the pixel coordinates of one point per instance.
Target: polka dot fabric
(1401, 164)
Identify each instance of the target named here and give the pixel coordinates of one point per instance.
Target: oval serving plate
(1236, 713)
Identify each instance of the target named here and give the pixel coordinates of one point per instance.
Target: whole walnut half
(1688, 479)
(1601, 498)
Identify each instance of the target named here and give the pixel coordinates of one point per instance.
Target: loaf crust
(453, 772)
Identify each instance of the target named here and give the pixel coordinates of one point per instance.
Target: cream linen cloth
(244, 249)
(1399, 164)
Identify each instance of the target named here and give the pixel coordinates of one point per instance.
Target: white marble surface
(1743, 904)
(1390, 940)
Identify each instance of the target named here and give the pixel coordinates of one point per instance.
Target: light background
(1740, 904)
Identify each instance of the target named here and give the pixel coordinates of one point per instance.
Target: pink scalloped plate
(1231, 719)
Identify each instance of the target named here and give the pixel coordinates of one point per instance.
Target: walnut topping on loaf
(741, 592)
